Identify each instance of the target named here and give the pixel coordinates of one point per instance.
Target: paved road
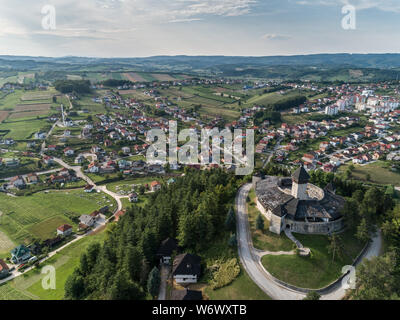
(251, 258)
(250, 261)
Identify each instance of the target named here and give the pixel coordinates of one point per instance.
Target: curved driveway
(252, 263)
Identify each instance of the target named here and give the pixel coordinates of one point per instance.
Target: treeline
(191, 210)
(272, 112)
(69, 86)
(116, 83)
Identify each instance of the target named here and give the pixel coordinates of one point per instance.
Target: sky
(141, 28)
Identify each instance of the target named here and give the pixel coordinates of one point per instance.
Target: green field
(242, 288)
(318, 270)
(29, 285)
(380, 173)
(125, 186)
(37, 216)
(23, 130)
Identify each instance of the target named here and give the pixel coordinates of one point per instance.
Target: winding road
(251, 258)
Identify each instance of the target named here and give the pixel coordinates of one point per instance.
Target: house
(18, 182)
(32, 178)
(133, 197)
(11, 162)
(64, 230)
(119, 214)
(48, 160)
(79, 159)
(89, 188)
(93, 168)
(187, 295)
(68, 152)
(20, 254)
(155, 186)
(167, 248)
(4, 270)
(86, 220)
(126, 150)
(186, 268)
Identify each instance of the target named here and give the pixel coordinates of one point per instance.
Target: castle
(298, 205)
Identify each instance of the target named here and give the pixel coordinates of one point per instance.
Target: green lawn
(36, 216)
(265, 240)
(318, 270)
(242, 288)
(379, 172)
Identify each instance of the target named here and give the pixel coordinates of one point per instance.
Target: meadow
(38, 215)
(29, 285)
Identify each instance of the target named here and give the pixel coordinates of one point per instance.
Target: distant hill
(317, 66)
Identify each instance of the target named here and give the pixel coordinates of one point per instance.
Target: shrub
(225, 273)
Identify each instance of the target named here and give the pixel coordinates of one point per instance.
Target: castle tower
(300, 180)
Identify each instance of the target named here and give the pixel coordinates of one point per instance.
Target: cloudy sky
(136, 28)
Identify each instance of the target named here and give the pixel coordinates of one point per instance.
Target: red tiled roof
(64, 227)
(3, 265)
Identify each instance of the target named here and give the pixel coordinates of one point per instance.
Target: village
(96, 144)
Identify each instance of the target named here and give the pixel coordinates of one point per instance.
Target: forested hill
(192, 210)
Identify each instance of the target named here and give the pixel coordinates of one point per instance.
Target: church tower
(300, 180)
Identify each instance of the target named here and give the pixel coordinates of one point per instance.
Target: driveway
(165, 270)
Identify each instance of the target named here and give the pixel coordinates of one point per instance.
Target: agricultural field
(23, 129)
(29, 285)
(35, 216)
(378, 173)
(5, 243)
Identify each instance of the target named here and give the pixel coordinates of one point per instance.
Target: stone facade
(298, 205)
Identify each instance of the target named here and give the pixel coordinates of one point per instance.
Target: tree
(260, 222)
(74, 287)
(232, 241)
(335, 246)
(363, 232)
(376, 279)
(312, 295)
(230, 221)
(153, 282)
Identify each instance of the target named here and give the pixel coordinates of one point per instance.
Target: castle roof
(301, 176)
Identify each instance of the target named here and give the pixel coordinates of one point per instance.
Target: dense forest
(116, 83)
(192, 210)
(69, 86)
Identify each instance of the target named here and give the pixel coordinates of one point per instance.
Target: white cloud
(270, 36)
(383, 5)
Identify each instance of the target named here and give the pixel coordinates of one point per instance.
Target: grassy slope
(379, 172)
(318, 270)
(265, 240)
(30, 284)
